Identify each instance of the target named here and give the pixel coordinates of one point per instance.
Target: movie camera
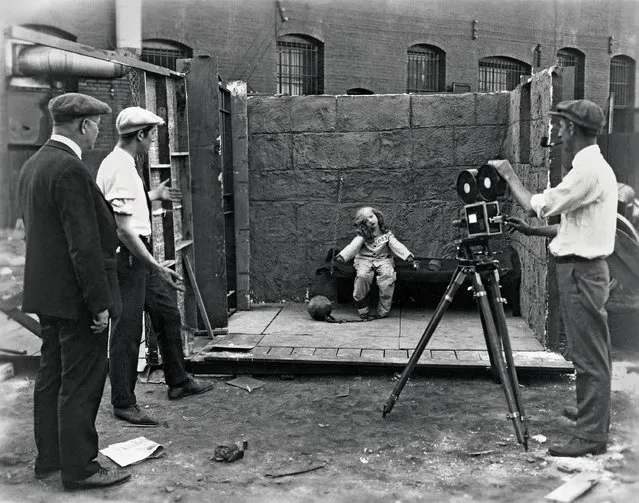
(479, 190)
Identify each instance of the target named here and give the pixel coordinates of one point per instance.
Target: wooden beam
(206, 190)
(198, 295)
(27, 35)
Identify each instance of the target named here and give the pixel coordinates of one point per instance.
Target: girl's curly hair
(360, 223)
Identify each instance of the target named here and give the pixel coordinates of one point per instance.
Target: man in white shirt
(144, 283)
(586, 199)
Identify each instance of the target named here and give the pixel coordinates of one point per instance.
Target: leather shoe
(102, 478)
(41, 474)
(192, 387)
(134, 415)
(571, 413)
(577, 447)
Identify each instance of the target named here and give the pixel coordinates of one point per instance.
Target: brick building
(358, 46)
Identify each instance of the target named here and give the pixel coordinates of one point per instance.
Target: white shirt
(119, 181)
(586, 199)
(69, 143)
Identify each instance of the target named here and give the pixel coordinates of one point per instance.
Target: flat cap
(135, 118)
(69, 106)
(584, 113)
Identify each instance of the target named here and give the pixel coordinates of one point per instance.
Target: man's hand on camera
(100, 322)
(410, 259)
(503, 168)
(517, 224)
(339, 259)
(171, 278)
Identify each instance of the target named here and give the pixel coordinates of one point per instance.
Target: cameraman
(586, 200)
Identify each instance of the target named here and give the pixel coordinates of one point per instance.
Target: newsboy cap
(69, 106)
(135, 118)
(584, 113)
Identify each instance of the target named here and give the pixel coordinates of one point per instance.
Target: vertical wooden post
(241, 192)
(553, 322)
(206, 186)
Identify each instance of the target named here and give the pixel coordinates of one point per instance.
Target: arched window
(300, 65)
(568, 57)
(164, 52)
(499, 73)
(426, 69)
(622, 84)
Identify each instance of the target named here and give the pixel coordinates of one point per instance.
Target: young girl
(373, 249)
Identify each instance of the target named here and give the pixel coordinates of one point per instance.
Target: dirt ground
(447, 439)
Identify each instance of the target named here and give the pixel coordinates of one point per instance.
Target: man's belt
(567, 259)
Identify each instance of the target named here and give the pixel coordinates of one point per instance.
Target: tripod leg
(446, 300)
(495, 343)
(489, 348)
(497, 307)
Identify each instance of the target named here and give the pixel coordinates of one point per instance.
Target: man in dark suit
(70, 282)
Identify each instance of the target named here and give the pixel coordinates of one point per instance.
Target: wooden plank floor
(281, 338)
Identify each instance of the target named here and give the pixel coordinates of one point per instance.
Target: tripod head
(476, 252)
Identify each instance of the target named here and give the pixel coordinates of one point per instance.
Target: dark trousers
(142, 289)
(583, 293)
(68, 391)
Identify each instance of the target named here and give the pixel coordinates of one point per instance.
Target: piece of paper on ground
(246, 382)
(133, 451)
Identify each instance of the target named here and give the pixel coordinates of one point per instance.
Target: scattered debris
(297, 472)
(188, 418)
(480, 453)
(156, 377)
(6, 371)
(246, 382)
(323, 425)
(567, 469)
(363, 460)
(230, 453)
(133, 451)
(540, 439)
(343, 391)
(6, 273)
(573, 488)
(210, 410)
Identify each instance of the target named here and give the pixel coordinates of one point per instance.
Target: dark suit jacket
(71, 237)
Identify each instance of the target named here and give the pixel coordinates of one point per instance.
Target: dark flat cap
(584, 113)
(69, 106)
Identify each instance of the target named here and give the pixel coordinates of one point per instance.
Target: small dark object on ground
(230, 453)
(320, 307)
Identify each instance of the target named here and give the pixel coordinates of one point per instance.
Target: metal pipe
(39, 60)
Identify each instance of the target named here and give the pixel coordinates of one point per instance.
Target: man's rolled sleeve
(537, 202)
(119, 192)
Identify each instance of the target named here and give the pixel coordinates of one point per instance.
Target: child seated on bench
(373, 249)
